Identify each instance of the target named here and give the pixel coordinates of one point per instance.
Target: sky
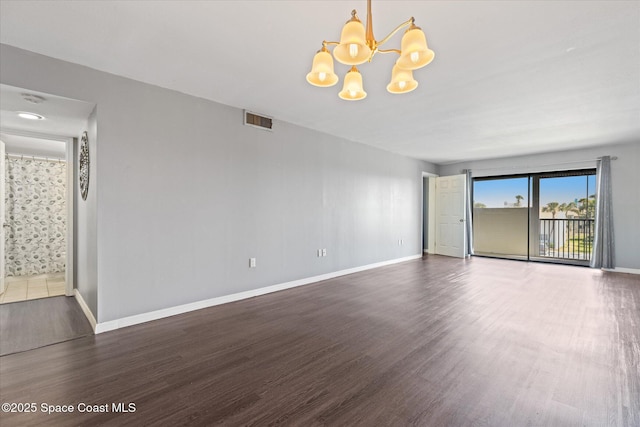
(494, 193)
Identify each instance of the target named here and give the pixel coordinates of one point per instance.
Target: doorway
(33, 122)
(444, 215)
(35, 186)
(428, 213)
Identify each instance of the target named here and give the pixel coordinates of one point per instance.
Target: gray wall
(185, 194)
(86, 239)
(625, 176)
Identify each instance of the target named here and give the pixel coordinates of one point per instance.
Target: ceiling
(509, 77)
(63, 118)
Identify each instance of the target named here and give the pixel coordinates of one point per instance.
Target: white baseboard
(85, 309)
(623, 270)
(185, 308)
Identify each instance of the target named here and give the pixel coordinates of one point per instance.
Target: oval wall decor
(84, 166)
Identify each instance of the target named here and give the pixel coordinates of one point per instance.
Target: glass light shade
(401, 81)
(322, 70)
(414, 51)
(352, 89)
(353, 49)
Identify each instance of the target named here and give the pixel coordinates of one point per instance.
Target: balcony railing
(570, 239)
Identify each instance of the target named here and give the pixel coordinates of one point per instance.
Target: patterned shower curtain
(36, 214)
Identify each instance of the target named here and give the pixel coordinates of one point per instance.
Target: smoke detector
(33, 99)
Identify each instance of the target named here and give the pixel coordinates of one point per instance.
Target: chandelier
(357, 47)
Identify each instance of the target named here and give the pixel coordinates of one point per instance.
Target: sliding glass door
(564, 219)
(547, 216)
(501, 216)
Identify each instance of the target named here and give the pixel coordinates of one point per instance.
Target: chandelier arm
(390, 51)
(398, 28)
(325, 43)
(373, 52)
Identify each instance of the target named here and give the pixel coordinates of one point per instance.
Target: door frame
(71, 190)
(3, 219)
(430, 206)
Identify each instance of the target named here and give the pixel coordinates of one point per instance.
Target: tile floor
(22, 288)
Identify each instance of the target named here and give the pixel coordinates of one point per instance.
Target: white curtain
(469, 209)
(602, 255)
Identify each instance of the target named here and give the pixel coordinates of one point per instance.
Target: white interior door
(2, 215)
(451, 232)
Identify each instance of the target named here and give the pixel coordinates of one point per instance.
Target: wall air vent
(258, 121)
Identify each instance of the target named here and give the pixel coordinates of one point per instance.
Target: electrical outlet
(324, 252)
(252, 263)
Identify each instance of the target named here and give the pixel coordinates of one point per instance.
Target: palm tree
(571, 207)
(587, 206)
(519, 199)
(566, 208)
(562, 207)
(554, 208)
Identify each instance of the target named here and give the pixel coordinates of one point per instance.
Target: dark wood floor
(26, 325)
(432, 342)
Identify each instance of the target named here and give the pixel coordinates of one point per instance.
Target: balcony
(503, 233)
(566, 239)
